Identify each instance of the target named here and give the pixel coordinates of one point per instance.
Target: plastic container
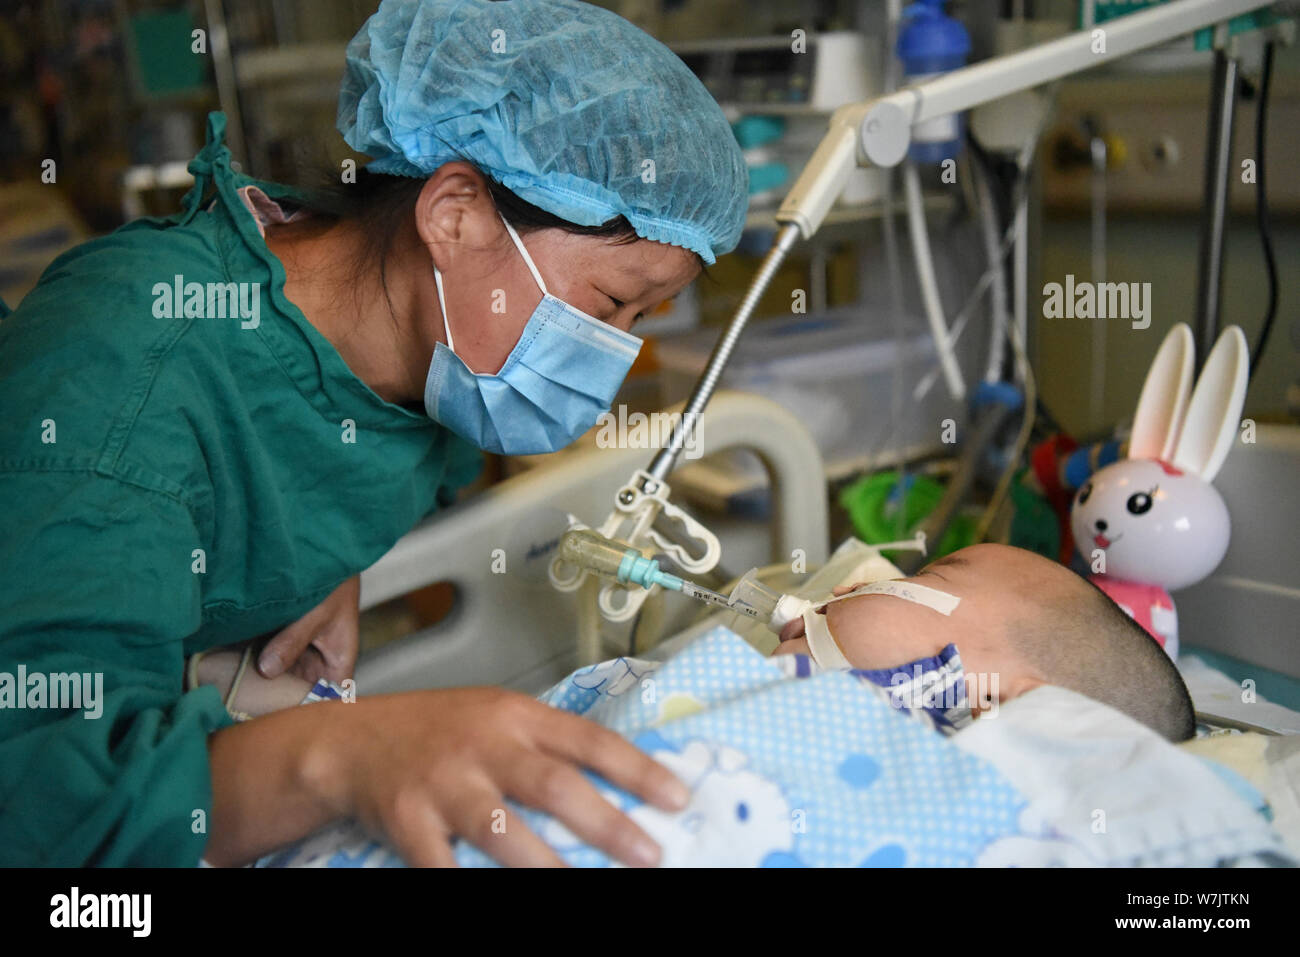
(595, 553)
(835, 372)
(880, 512)
(930, 43)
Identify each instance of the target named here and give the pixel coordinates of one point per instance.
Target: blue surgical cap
(569, 106)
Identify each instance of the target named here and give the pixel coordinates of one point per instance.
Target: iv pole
(872, 133)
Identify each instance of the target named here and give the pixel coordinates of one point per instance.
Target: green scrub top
(172, 481)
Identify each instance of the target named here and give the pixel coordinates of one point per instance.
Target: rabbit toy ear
(1215, 409)
(1164, 397)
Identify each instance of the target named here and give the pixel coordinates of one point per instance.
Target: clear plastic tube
(776, 609)
(591, 551)
(611, 559)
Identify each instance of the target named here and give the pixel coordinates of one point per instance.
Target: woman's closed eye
(619, 304)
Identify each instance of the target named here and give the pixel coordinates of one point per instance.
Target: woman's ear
(455, 208)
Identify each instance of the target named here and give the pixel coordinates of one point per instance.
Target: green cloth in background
(164, 57)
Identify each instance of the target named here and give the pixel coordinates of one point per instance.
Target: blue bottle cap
(929, 33)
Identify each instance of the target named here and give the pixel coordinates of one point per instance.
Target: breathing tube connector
(611, 559)
(774, 608)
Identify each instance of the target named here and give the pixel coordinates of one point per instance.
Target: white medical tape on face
(821, 643)
(788, 608)
(940, 601)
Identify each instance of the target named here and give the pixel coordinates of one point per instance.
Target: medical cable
(893, 260)
(925, 273)
(1012, 329)
(1019, 198)
(1011, 236)
(192, 679)
(664, 461)
(1261, 209)
(997, 267)
(1022, 440)
(244, 659)
(1018, 229)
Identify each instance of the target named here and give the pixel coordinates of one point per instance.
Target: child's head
(1024, 619)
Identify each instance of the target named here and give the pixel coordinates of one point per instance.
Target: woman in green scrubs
(213, 422)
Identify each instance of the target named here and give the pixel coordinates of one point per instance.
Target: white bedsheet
(1104, 790)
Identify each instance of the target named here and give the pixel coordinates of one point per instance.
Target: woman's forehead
(650, 257)
(655, 266)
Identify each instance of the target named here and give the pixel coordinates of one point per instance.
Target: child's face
(883, 631)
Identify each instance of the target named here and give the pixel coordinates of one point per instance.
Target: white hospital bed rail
(513, 628)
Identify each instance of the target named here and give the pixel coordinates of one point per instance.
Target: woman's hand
(322, 643)
(425, 767)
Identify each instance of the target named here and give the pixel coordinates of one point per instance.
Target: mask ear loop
(442, 304)
(528, 261)
(519, 244)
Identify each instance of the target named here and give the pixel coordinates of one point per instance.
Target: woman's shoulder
(118, 277)
(108, 331)
(142, 252)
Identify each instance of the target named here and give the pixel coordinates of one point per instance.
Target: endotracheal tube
(610, 559)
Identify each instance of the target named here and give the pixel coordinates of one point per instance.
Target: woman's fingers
(331, 631)
(339, 641)
(479, 815)
(418, 833)
(288, 645)
(564, 793)
(612, 756)
(332, 653)
(839, 590)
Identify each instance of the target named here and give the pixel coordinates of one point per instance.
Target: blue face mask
(561, 375)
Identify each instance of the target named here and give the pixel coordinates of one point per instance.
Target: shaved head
(1078, 638)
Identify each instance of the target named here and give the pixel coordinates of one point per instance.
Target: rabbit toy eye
(1084, 493)
(1139, 503)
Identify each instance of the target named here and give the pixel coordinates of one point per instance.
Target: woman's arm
(263, 794)
(96, 583)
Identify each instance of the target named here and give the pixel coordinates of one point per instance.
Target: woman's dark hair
(376, 201)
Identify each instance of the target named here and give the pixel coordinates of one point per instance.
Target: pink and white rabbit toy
(1153, 523)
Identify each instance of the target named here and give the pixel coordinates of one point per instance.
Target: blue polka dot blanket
(788, 766)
